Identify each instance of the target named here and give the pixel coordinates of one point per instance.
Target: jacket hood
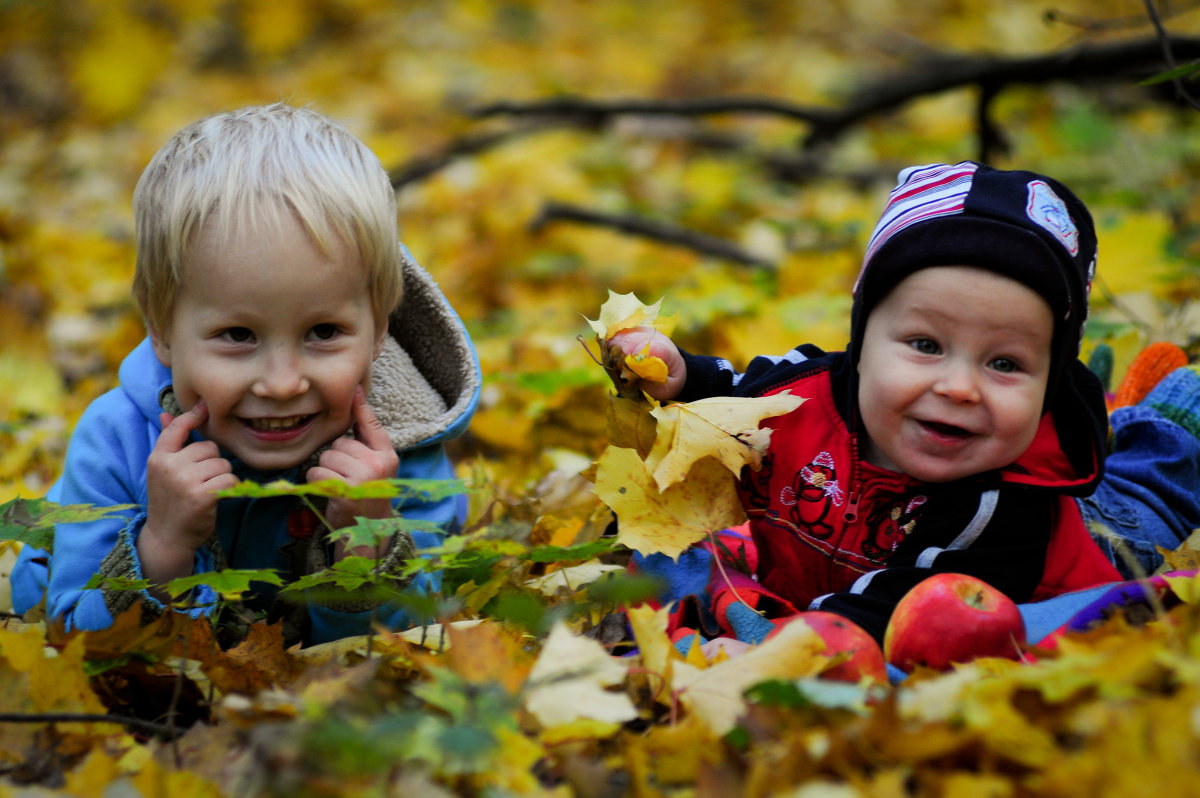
(424, 385)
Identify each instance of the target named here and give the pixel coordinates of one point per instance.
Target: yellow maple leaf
(630, 424)
(714, 695)
(726, 428)
(568, 681)
(654, 646)
(1186, 587)
(626, 311)
(57, 682)
(647, 366)
(653, 521)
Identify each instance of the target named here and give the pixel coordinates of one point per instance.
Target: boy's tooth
(277, 423)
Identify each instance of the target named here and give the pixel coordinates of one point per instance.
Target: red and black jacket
(837, 533)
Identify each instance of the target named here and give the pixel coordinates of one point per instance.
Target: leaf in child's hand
(630, 424)
(726, 428)
(669, 521)
(626, 311)
(647, 366)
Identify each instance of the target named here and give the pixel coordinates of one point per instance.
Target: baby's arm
(182, 480)
(367, 456)
(634, 341)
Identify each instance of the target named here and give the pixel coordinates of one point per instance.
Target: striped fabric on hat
(921, 193)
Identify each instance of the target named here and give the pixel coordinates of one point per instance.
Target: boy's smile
(274, 335)
(953, 373)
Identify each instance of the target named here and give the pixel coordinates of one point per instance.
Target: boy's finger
(176, 429)
(367, 427)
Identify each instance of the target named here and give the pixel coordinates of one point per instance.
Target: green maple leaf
(32, 521)
(372, 531)
(573, 553)
(230, 583)
(419, 489)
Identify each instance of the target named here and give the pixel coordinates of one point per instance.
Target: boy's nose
(957, 382)
(281, 378)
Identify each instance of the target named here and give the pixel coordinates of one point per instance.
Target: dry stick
(1094, 63)
(150, 727)
(1108, 62)
(1094, 25)
(420, 168)
(649, 228)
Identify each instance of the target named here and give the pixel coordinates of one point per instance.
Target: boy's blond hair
(250, 167)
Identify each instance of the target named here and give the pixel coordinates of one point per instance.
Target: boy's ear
(379, 340)
(162, 348)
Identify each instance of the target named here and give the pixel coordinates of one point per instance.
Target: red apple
(952, 618)
(843, 636)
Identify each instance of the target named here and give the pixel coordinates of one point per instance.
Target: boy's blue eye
(926, 346)
(323, 332)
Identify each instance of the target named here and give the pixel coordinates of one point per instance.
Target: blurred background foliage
(90, 88)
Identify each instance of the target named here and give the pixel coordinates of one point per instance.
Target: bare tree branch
(420, 168)
(1168, 53)
(651, 229)
(1095, 63)
(137, 724)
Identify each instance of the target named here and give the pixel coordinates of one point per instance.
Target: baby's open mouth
(274, 424)
(946, 429)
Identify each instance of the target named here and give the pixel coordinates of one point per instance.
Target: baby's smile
(948, 430)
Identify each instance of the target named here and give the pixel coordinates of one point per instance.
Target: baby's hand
(633, 341)
(367, 456)
(182, 480)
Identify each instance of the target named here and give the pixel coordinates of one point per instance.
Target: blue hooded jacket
(424, 389)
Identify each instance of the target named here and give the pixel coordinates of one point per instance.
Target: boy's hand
(367, 456)
(633, 341)
(182, 480)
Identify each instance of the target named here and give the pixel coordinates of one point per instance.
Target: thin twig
(150, 727)
(648, 228)
(1092, 63)
(1164, 39)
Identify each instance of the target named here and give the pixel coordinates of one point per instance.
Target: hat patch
(1049, 212)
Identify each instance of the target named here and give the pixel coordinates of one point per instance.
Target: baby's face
(953, 373)
(274, 336)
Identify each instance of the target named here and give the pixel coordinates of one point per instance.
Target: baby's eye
(324, 332)
(238, 335)
(926, 346)
(1005, 365)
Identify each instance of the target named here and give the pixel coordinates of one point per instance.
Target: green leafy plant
(32, 521)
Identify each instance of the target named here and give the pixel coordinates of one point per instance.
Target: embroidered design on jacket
(890, 525)
(813, 494)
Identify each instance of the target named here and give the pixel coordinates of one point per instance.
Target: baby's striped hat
(1019, 224)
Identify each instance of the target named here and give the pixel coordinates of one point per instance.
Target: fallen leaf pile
(1109, 712)
(527, 678)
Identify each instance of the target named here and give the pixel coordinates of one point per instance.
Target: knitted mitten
(1150, 366)
(1177, 398)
